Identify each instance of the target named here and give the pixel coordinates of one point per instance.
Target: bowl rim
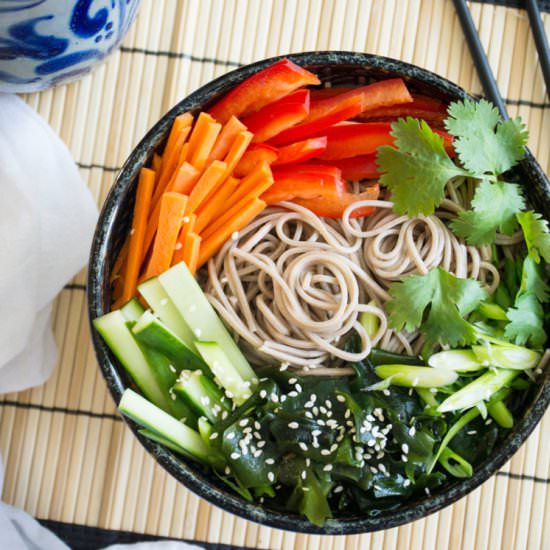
(192, 476)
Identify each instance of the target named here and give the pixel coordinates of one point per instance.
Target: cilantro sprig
(437, 303)
(418, 168)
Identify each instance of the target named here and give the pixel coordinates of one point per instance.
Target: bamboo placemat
(67, 455)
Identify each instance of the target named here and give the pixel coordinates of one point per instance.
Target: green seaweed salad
(400, 427)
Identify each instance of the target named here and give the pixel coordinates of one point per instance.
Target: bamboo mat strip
(67, 455)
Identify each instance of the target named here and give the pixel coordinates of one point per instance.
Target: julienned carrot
(198, 131)
(256, 183)
(144, 194)
(184, 181)
(170, 164)
(156, 163)
(199, 155)
(216, 204)
(237, 150)
(246, 213)
(192, 251)
(181, 121)
(211, 178)
(172, 208)
(227, 136)
(228, 215)
(187, 226)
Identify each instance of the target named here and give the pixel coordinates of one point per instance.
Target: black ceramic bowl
(338, 68)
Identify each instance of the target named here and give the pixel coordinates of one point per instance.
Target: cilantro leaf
(417, 170)
(449, 299)
(485, 143)
(537, 236)
(494, 207)
(532, 281)
(526, 321)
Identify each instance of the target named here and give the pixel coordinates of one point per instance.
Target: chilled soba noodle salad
(334, 298)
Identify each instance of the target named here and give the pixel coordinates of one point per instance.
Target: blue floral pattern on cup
(46, 42)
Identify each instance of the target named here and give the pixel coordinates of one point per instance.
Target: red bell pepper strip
(254, 156)
(310, 168)
(288, 186)
(362, 167)
(427, 108)
(301, 151)
(356, 138)
(277, 117)
(261, 89)
(334, 207)
(350, 107)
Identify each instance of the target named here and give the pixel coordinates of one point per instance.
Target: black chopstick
(541, 41)
(481, 62)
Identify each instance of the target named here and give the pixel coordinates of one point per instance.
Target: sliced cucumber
(189, 299)
(166, 311)
(153, 418)
(507, 357)
(156, 335)
(132, 310)
(166, 442)
(416, 377)
(459, 360)
(227, 375)
(480, 389)
(501, 414)
(118, 337)
(202, 394)
(205, 429)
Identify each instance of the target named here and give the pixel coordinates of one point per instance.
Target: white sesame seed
(327, 468)
(433, 390)
(320, 422)
(406, 483)
(235, 456)
(412, 431)
(404, 458)
(386, 392)
(325, 452)
(488, 421)
(312, 397)
(172, 368)
(333, 447)
(235, 235)
(198, 332)
(415, 382)
(292, 381)
(293, 425)
(382, 468)
(270, 461)
(271, 477)
(178, 246)
(227, 470)
(243, 422)
(293, 394)
(308, 414)
(410, 391)
(340, 398)
(260, 444)
(257, 453)
(308, 462)
(302, 446)
(323, 409)
(306, 489)
(328, 404)
(405, 448)
(263, 394)
(338, 489)
(347, 413)
(274, 398)
(214, 435)
(164, 302)
(316, 433)
(373, 469)
(303, 475)
(427, 491)
(471, 432)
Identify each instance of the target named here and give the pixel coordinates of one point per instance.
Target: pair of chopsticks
(481, 62)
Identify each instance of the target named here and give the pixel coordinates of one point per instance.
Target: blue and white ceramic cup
(46, 42)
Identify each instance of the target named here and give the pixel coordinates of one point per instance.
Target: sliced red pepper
(345, 110)
(423, 107)
(310, 168)
(352, 139)
(261, 89)
(254, 156)
(362, 167)
(301, 151)
(288, 186)
(334, 207)
(279, 116)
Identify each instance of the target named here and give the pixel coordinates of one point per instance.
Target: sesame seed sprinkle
(327, 468)
(293, 425)
(302, 446)
(270, 461)
(340, 398)
(235, 456)
(271, 477)
(338, 489)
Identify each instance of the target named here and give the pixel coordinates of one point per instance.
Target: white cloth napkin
(47, 219)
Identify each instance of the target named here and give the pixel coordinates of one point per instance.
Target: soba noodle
(292, 285)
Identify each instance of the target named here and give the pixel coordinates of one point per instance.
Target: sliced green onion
(452, 431)
(413, 377)
(492, 311)
(370, 322)
(507, 357)
(460, 360)
(501, 414)
(461, 467)
(428, 397)
(480, 389)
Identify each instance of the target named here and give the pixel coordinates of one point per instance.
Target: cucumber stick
(132, 310)
(118, 337)
(156, 420)
(151, 332)
(225, 372)
(166, 311)
(189, 299)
